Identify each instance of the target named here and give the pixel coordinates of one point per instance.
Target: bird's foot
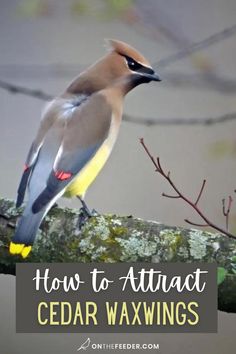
(84, 215)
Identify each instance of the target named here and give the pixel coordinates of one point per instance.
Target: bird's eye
(132, 64)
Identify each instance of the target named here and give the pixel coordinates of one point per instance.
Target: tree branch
(205, 80)
(221, 84)
(192, 204)
(112, 238)
(195, 47)
(207, 121)
(17, 89)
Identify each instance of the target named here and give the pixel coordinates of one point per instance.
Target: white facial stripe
(139, 62)
(145, 66)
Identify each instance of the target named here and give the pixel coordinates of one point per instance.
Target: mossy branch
(111, 238)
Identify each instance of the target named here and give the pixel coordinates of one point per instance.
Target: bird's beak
(152, 77)
(146, 75)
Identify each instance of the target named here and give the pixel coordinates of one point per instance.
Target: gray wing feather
(70, 163)
(84, 134)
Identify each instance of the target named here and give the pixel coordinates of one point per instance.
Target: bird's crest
(125, 49)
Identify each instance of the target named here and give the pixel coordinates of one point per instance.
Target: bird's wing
(30, 162)
(45, 125)
(85, 132)
(50, 116)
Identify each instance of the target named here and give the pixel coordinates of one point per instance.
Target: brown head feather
(125, 49)
(109, 70)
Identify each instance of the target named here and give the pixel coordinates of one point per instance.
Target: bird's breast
(90, 171)
(88, 174)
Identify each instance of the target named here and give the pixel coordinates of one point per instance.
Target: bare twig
(156, 21)
(195, 224)
(215, 38)
(208, 222)
(208, 121)
(201, 191)
(17, 89)
(195, 47)
(34, 70)
(207, 80)
(170, 196)
(210, 81)
(62, 69)
(226, 212)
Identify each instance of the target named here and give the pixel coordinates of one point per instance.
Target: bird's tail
(26, 232)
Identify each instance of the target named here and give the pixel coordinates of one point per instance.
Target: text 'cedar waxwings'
(76, 135)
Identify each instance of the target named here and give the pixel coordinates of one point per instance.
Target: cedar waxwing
(76, 135)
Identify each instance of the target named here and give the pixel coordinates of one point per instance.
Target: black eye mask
(135, 66)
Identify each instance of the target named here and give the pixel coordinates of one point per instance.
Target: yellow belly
(87, 175)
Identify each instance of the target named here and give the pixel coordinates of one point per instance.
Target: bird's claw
(84, 215)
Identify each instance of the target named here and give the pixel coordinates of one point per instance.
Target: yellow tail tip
(26, 250)
(16, 248)
(20, 248)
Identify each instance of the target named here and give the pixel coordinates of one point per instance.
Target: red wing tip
(62, 175)
(26, 167)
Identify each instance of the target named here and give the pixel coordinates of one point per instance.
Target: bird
(85, 345)
(75, 137)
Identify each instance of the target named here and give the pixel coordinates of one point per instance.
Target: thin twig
(39, 94)
(207, 121)
(215, 38)
(201, 191)
(195, 224)
(67, 69)
(206, 80)
(159, 169)
(227, 212)
(195, 47)
(170, 196)
(17, 89)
